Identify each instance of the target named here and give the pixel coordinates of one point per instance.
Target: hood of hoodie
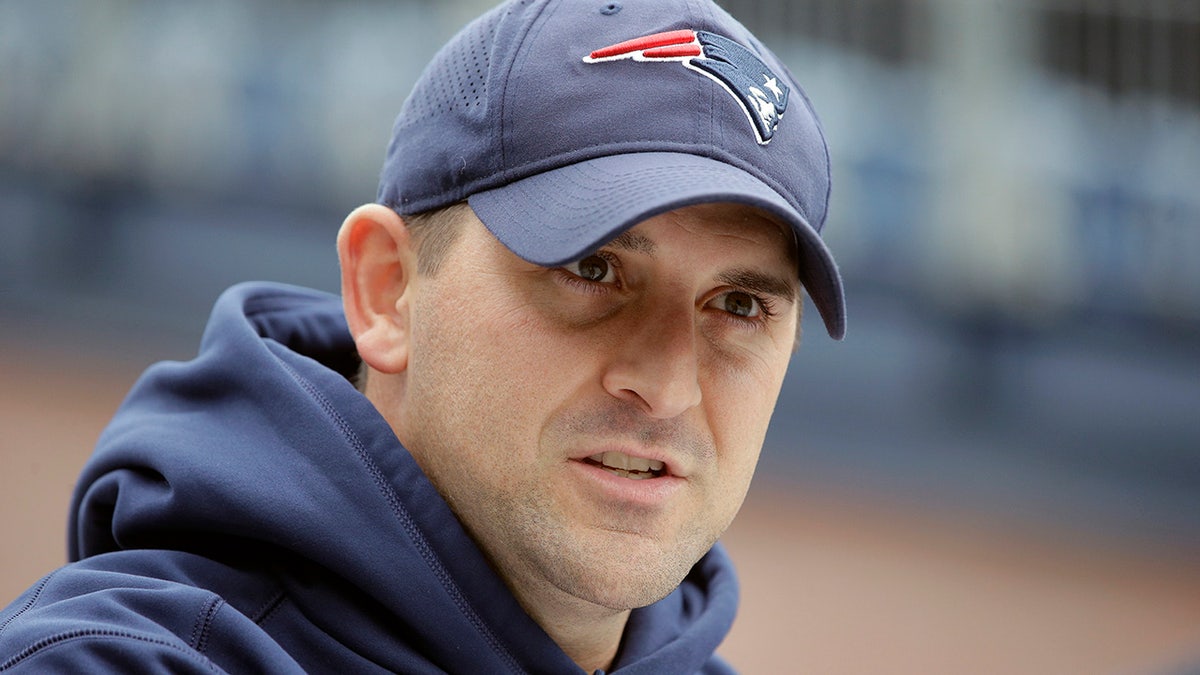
(261, 452)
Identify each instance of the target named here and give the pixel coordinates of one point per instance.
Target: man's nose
(655, 364)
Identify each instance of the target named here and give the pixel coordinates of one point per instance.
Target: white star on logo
(773, 85)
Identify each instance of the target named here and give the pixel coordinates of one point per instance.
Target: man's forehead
(735, 220)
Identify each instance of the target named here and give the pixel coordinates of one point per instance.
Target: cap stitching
(521, 50)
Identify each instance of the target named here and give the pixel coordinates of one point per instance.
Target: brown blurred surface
(831, 583)
(838, 584)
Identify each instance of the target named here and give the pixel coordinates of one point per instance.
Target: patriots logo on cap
(738, 70)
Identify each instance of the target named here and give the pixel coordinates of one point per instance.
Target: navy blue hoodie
(251, 511)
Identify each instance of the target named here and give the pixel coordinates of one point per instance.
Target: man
(568, 319)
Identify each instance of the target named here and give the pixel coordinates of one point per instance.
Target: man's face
(595, 427)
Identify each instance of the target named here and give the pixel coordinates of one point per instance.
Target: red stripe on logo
(674, 37)
(672, 52)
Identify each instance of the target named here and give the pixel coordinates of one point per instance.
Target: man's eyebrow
(787, 288)
(632, 241)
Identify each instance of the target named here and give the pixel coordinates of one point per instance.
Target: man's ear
(378, 265)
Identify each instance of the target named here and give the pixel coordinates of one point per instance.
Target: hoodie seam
(203, 627)
(36, 595)
(405, 519)
(56, 640)
(268, 608)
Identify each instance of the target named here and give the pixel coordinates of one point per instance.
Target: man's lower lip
(646, 491)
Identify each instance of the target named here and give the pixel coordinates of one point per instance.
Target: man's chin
(627, 596)
(637, 576)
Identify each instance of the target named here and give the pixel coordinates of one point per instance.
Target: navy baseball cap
(565, 122)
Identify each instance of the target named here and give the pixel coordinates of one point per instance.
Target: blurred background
(997, 471)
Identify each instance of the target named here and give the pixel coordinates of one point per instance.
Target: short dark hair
(434, 233)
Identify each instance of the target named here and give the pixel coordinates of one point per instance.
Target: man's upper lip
(671, 465)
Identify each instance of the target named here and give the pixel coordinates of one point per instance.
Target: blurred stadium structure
(1017, 213)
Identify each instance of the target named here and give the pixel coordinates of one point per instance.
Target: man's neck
(590, 638)
(589, 633)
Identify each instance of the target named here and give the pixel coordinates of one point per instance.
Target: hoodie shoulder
(124, 613)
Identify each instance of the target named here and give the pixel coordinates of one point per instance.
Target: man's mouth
(621, 464)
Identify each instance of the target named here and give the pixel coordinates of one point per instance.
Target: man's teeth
(629, 467)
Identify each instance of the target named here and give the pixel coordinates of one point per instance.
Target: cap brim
(558, 216)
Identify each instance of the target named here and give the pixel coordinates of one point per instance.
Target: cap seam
(529, 33)
(828, 159)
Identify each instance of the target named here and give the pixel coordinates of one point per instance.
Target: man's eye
(592, 268)
(741, 304)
